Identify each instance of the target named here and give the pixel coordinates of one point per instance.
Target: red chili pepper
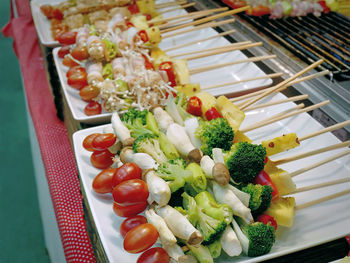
(148, 17)
(326, 9)
(264, 179)
(194, 106)
(172, 92)
(267, 220)
(143, 35)
(129, 24)
(148, 64)
(134, 9)
(212, 113)
(167, 66)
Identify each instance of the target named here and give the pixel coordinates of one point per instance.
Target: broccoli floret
(201, 253)
(198, 182)
(135, 121)
(245, 161)
(210, 227)
(256, 239)
(216, 133)
(148, 143)
(215, 249)
(260, 197)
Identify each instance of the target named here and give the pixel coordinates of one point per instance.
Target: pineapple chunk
(189, 89)
(281, 144)
(280, 178)
(230, 112)
(241, 137)
(181, 71)
(158, 56)
(147, 7)
(208, 101)
(156, 20)
(139, 21)
(154, 36)
(282, 211)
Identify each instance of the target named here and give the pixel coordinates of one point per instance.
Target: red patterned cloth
(53, 139)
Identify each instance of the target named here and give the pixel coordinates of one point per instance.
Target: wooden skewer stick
(206, 25)
(321, 185)
(209, 11)
(207, 68)
(200, 40)
(312, 76)
(312, 166)
(268, 92)
(311, 153)
(206, 19)
(295, 98)
(212, 48)
(163, 5)
(323, 199)
(273, 75)
(264, 122)
(179, 21)
(225, 50)
(177, 8)
(328, 129)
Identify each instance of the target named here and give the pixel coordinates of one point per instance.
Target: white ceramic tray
(313, 226)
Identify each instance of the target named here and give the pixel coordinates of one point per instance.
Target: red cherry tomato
(80, 53)
(130, 192)
(129, 210)
(89, 92)
(264, 179)
(194, 106)
(87, 143)
(102, 183)
(77, 77)
(134, 9)
(58, 28)
(258, 10)
(67, 38)
(103, 141)
(69, 62)
(126, 172)
(212, 113)
(57, 13)
(93, 108)
(101, 159)
(130, 223)
(267, 220)
(323, 4)
(63, 51)
(167, 66)
(140, 238)
(154, 255)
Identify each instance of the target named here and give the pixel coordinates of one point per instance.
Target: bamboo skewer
(207, 68)
(273, 75)
(206, 25)
(177, 8)
(163, 5)
(206, 19)
(200, 40)
(311, 153)
(312, 166)
(328, 129)
(264, 122)
(268, 92)
(211, 49)
(322, 199)
(295, 98)
(225, 50)
(320, 185)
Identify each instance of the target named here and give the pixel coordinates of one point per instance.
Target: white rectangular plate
(313, 226)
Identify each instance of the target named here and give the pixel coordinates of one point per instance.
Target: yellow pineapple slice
(230, 112)
(241, 137)
(158, 56)
(181, 71)
(139, 21)
(189, 89)
(281, 143)
(280, 178)
(147, 7)
(283, 211)
(154, 36)
(208, 101)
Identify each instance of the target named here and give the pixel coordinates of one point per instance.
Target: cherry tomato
(130, 223)
(101, 159)
(126, 172)
(67, 38)
(69, 62)
(258, 10)
(212, 113)
(264, 179)
(80, 53)
(130, 192)
(77, 77)
(134, 9)
(194, 106)
(323, 4)
(89, 92)
(102, 183)
(63, 51)
(154, 255)
(93, 108)
(87, 143)
(267, 220)
(140, 238)
(167, 66)
(58, 29)
(129, 210)
(103, 141)
(237, 4)
(57, 13)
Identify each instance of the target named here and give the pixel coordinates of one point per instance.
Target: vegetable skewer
(295, 98)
